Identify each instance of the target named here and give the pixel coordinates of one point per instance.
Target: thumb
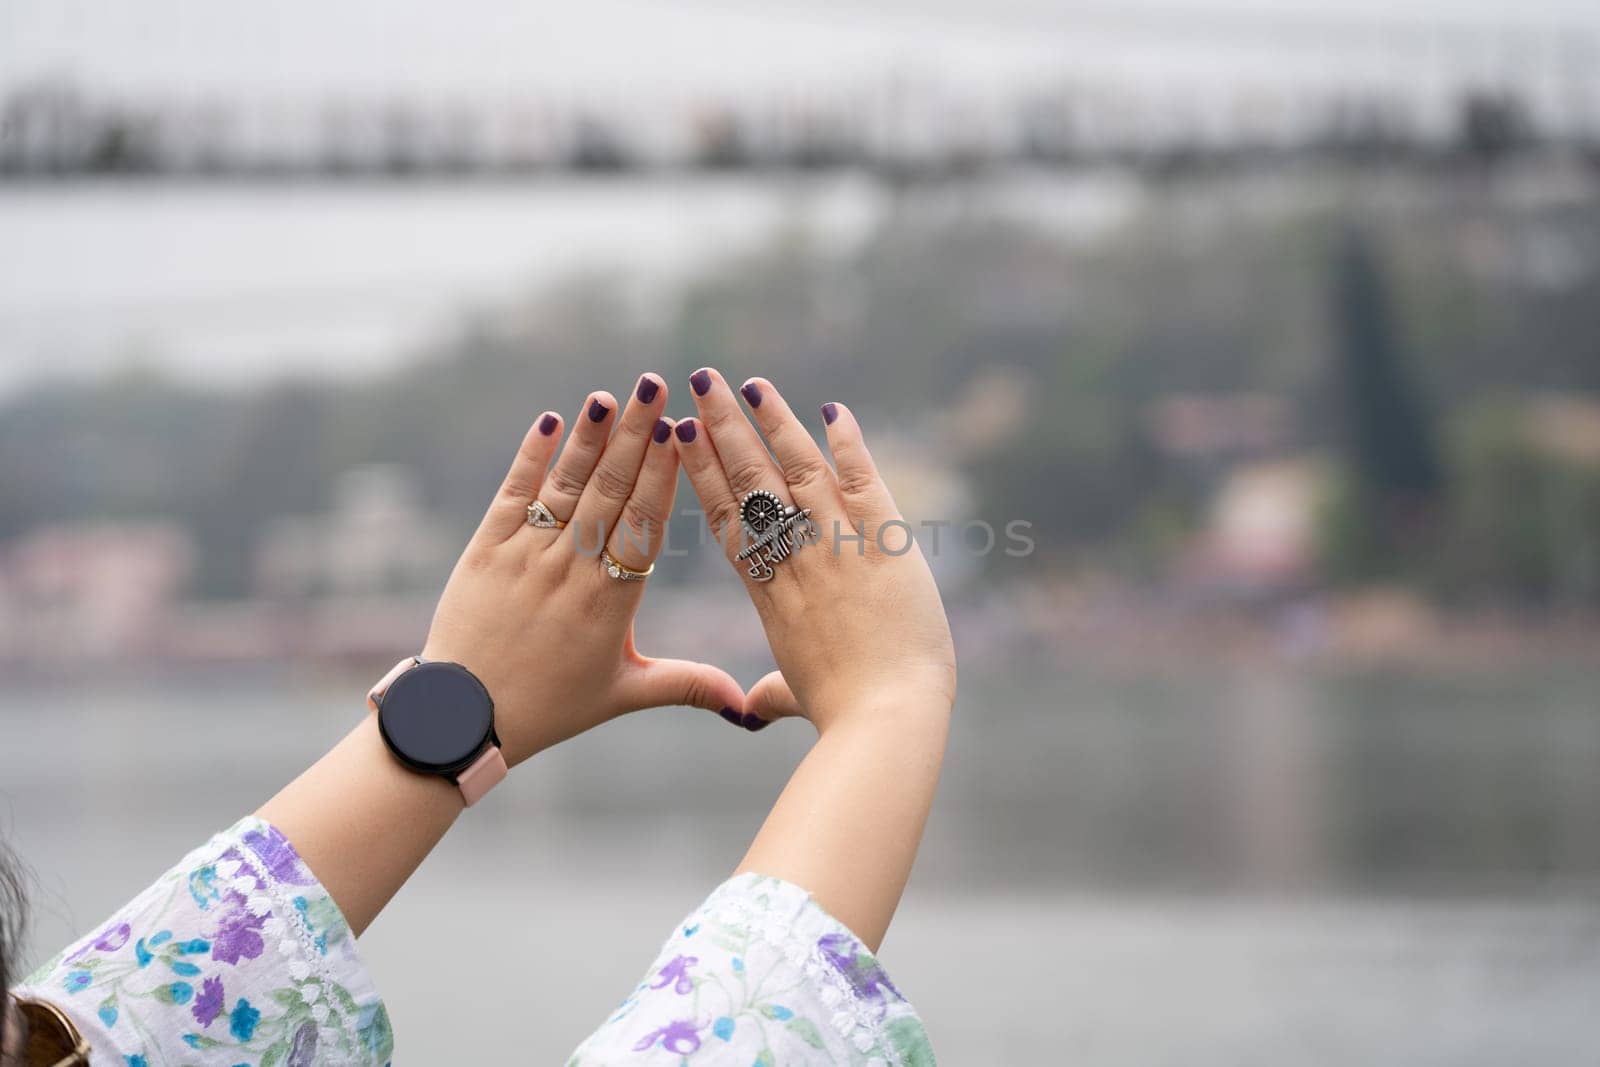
(771, 698)
(657, 683)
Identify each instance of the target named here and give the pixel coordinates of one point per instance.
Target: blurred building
(378, 539)
(1261, 531)
(90, 591)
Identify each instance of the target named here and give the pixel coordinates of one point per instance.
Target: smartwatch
(437, 718)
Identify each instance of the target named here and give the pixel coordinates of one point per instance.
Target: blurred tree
(1525, 518)
(1387, 506)
(277, 463)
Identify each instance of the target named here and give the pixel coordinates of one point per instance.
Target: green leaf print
(275, 1053)
(806, 1030)
(347, 1003)
(323, 917)
(910, 1042)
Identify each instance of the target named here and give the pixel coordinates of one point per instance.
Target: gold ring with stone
(621, 573)
(540, 515)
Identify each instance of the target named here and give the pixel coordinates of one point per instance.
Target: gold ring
(621, 573)
(541, 516)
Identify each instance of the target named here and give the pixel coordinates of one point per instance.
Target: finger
(769, 699)
(566, 480)
(614, 476)
(745, 459)
(805, 469)
(658, 683)
(509, 509)
(866, 498)
(710, 483)
(641, 528)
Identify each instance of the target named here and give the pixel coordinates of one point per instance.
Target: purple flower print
(677, 1037)
(676, 974)
(278, 856)
(111, 938)
(238, 933)
(304, 1051)
(208, 1005)
(865, 976)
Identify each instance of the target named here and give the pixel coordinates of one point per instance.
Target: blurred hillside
(1252, 386)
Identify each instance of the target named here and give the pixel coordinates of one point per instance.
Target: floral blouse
(237, 957)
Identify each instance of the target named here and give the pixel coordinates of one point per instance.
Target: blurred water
(1180, 865)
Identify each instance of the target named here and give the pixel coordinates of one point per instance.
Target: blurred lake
(1174, 864)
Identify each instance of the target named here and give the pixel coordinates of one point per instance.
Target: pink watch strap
(377, 691)
(485, 772)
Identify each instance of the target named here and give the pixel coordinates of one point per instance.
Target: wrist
(908, 704)
(437, 719)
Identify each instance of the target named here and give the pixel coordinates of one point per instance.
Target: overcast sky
(637, 47)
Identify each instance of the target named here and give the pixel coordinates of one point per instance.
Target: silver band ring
(775, 531)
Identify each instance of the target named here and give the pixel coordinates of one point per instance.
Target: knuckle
(805, 473)
(746, 473)
(518, 485)
(639, 522)
(693, 693)
(564, 481)
(857, 482)
(611, 483)
(721, 418)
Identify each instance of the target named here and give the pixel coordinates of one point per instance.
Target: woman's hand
(860, 635)
(855, 621)
(531, 610)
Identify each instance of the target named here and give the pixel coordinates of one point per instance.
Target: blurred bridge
(1159, 88)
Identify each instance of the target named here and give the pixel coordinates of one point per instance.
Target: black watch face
(436, 717)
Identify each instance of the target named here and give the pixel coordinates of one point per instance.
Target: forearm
(362, 822)
(848, 824)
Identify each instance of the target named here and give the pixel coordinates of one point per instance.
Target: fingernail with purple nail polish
(829, 413)
(548, 424)
(752, 393)
(663, 430)
(701, 380)
(647, 390)
(597, 411)
(754, 722)
(686, 431)
(732, 716)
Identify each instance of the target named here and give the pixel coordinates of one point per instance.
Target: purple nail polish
(732, 716)
(754, 722)
(686, 431)
(548, 424)
(701, 380)
(647, 390)
(597, 411)
(829, 413)
(752, 393)
(663, 430)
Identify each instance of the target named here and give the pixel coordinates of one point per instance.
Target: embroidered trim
(296, 944)
(759, 903)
